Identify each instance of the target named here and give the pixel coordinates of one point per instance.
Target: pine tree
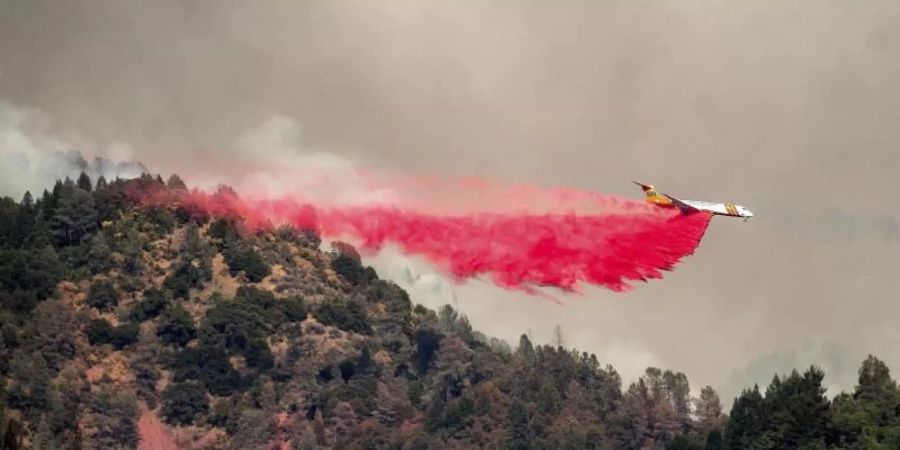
(747, 421)
(877, 389)
(798, 409)
(25, 220)
(55, 194)
(9, 215)
(75, 219)
(176, 326)
(111, 420)
(98, 255)
(175, 183)
(519, 432)
(678, 391)
(525, 349)
(868, 418)
(84, 182)
(708, 409)
(183, 402)
(47, 205)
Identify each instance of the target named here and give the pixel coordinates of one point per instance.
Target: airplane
(692, 206)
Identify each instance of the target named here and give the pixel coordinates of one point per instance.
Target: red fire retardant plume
(631, 242)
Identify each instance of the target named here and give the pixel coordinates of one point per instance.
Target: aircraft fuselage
(688, 206)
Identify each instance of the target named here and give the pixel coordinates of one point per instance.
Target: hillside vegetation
(126, 326)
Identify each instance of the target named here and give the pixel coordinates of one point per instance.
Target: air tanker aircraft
(691, 206)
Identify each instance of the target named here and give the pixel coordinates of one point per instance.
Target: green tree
(151, 305)
(183, 403)
(112, 419)
(346, 315)
(51, 332)
(350, 269)
(146, 374)
(877, 390)
(427, 344)
(75, 218)
(678, 392)
(99, 331)
(84, 182)
(797, 409)
(520, 434)
(241, 257)
(232, 324)
(125, 334)
(747, 421)
(30, 388)
(9, 213)
(176, 327)
(223, 231)
(714, 440)
(98, 256)
(175, 183)
(525, 349)
(708, 409)
(103, 296)
(35, 271)
(210, 365)
(868, 418)
(254, 429)
(25, 220)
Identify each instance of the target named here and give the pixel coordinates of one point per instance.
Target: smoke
(32, 158)
(787, 107)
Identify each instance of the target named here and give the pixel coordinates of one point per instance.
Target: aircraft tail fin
(648, 189)
(644, 187)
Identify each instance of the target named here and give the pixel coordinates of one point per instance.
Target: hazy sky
(787, 107)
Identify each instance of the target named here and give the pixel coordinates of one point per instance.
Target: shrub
(183, 402)
(273, 311)
(125, 334)
(427, 344)
(240, 257)
(152, 305)
(233, 324)
(102, 296)
(100, 331)
(258, 355)
(350, 269)
(223, 231)
(210, 365)
(176, 327)
(345, 315)
(186, 276)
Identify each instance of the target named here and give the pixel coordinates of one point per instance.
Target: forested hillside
(124, 326)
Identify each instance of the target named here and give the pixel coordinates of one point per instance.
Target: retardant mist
(616, 242)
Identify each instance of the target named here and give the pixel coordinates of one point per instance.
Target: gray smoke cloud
(33, 158)
(787, 107)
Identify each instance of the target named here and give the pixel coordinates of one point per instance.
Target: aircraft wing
(682, 205)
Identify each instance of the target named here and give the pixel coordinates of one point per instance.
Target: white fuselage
(725, 209)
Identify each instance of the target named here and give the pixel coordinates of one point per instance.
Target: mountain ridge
(128, 326)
